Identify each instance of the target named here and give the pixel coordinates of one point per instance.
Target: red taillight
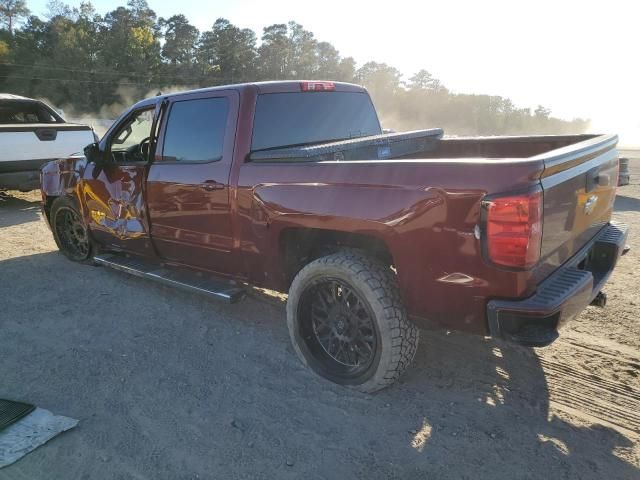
(317, 86)
(514, 229)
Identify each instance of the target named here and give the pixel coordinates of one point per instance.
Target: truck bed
(501, 147)
(428, 207)
(428, 144)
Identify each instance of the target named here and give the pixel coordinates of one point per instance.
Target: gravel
(172, 385)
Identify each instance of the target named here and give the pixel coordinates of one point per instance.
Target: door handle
(211, 185)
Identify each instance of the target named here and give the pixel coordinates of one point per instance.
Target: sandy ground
(169, 385)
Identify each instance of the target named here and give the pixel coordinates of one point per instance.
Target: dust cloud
(104, 117)
(395, 116)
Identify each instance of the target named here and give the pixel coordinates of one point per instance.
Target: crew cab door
(188, 182)
(113, 190)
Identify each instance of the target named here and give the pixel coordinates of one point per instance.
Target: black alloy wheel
(338, 328)
(71, 233)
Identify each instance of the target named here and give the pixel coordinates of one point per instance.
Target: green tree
(180, 40)
(423, 80)
(55, 57)
(288, 51)
(379, 77)
(327, 61)
(130, 44)
(274, 53)
(226, 53)
(11, 12)
(542, 112)
(86, 62)
(346, 70)
(329, 65)
(302, 55)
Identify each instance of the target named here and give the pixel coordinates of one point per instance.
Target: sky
(578, 58)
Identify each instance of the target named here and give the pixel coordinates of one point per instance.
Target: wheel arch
(301, 245)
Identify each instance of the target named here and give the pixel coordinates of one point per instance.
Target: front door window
(131, 141)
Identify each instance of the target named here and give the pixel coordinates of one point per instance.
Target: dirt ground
(169, 385)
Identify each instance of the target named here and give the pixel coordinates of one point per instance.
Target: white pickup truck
(32, 134)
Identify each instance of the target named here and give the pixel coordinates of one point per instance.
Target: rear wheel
(347, 321)
(70, 232)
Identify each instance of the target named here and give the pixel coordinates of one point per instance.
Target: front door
(113, 191)
(188, 181)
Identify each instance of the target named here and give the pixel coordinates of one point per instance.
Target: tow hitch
(600, 300)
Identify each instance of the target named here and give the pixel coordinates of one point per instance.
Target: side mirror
(94, 154)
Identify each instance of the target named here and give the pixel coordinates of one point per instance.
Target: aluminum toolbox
(374, 147)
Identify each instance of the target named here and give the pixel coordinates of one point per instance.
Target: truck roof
(275, 86)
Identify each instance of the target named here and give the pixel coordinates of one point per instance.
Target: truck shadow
(501, 420)
(468, 408)
(626, 204)
(16, 211)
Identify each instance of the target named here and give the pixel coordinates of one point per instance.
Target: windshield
(285, 119)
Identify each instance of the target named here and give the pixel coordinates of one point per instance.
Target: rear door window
(195, 130)
(287, 119)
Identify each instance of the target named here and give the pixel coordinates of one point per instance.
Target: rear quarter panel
(424, 211)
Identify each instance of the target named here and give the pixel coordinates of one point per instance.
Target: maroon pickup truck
(294, 187)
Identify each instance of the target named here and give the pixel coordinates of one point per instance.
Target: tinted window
(25, 111)
(195, 130)
(296, 118)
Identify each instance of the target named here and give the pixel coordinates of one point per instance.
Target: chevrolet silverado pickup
(294, 187)
(32, 134)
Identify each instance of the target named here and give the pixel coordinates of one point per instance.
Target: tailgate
(579, 184)
(29, 143)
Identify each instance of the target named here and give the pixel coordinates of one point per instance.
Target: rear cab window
(195, 130)
(26, 111)
(305, 118)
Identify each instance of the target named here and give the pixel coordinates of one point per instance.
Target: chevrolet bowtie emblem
(590, 204)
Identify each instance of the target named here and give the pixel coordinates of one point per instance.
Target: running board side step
(191, 282)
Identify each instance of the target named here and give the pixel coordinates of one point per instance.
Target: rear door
(188, 181)
(579, 184)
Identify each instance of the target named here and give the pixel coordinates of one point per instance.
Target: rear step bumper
(184, 280)
(534, 321)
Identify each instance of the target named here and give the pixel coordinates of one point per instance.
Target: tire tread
(404, 335)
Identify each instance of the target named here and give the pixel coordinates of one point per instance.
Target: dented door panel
(114, 199)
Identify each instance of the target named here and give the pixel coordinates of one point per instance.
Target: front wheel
(70, 232)
(347, 321)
